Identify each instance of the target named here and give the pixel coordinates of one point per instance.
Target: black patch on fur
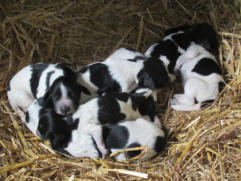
(146, 106)
(96, 147)
(67, 71)
(49, 74)
(153, 75)
(221, 86)
(137, 58)
(206, 66)
(100, 76)
(36, 70)
(56, 129)
(115, 136)
(131, 154)
(205, 35)
(206, 103)
(160, 144)
(123, 96)
(27, 117)
(169, 49)
(109, 109)
(183, 40)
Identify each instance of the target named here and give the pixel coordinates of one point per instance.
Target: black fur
(169, 49)
(221, 86)
(146, 106)
(27, 117)
(37, 70)
(153, 75)
(109, 110)
(160, 144)
(206, 103)
(49, 74)
(67, 71)
(204, 34)
(206, 66)
(176, 29)
(183, 40)
(115, 136)
(137, 58)
(100, 76)
(131, 154)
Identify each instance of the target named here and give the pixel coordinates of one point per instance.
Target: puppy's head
(64, 95)
(154, 74)
(204, 35)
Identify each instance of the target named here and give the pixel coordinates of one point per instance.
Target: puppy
(55, 82)
(61, 132)
(129, 134)
(202, 82)
(123, 71)
(178, 40)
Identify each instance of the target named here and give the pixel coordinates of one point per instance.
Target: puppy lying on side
(123, 71)
(55, 82)
(178, 40)
(202, 81)
(62, 133)
(131, 134)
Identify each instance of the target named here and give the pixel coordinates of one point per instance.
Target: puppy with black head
(183, 43)
(60, 131)
(56, 82)
(123, 71)
(134, 133)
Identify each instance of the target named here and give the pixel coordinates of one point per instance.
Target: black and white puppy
(61, 132)
(129, 134)
(56, 82)
(202, 81)
(178, 40)
(113, 108)
(123, 71)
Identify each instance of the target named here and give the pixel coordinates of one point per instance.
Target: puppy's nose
(65, 109)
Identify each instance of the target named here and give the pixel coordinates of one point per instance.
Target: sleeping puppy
(178, 40)
(113, 108)
(56, 82)
(61, 132)
(202, 81)
(129, 134)
(123, 71)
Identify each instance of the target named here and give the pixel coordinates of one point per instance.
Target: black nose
(64, 109)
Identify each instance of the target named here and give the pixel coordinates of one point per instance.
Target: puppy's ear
(84, 89)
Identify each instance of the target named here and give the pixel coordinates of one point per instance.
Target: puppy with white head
(135, 133)
(54, 81)
(202, 81)
(123, 71)
(183, 42)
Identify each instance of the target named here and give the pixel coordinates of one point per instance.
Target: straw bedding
(202, 145)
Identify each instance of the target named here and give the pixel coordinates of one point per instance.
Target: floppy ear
(84, 89)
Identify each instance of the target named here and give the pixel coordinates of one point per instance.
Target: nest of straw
(202, 145)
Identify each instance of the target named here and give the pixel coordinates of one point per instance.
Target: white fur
(20, 95)
(123, 71)
(196, 86)
(143, 132)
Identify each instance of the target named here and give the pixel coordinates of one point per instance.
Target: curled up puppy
(56, 82)
(134, 133)
(183, 41)
(123, 71)
(201, 78)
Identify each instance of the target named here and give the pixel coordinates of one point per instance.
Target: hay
(202, 145)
